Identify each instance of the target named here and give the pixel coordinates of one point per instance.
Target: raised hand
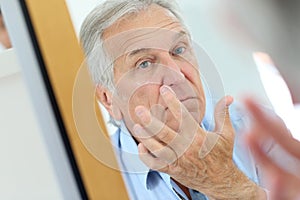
(196, 158)
(283, 184)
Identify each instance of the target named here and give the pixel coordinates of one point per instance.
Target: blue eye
(144, 64)
(179, 50)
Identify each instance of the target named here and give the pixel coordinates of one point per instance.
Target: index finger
(188, 125)
(154, 128)
(274, 127)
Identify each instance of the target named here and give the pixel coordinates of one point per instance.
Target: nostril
(173, 78)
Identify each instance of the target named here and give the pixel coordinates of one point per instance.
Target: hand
(284, 185)
(196, 158)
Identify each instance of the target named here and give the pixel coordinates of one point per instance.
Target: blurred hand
(196, 158)
(284, 185)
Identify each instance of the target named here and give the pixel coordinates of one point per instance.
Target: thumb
(221, 115)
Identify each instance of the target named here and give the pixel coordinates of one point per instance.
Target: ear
(106, 99)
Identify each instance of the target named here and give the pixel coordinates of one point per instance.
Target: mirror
(159, 78)
(223, 39)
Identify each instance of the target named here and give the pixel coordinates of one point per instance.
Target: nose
(172, 72)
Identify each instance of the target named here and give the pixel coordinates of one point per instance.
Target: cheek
(192, 74)
(146, 96)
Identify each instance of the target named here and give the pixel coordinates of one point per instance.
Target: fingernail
(139, 111)
(163, 90)
(137, 129)
(229, 100)
(263, 57)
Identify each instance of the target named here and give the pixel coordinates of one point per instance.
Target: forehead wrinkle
(153, 30)
(136, 39)
(131, 52)
(134, 16)
(171, 22)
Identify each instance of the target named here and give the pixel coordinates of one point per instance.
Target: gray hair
(103, 16)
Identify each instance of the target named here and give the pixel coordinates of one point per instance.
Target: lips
(187, 98)
(188, 102)
(184, 93)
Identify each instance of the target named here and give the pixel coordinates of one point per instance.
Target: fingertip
(137, 129)
(262, 57)
(164, 89)
(139, 110)
(143, 114)
(229, 100)
(249, 102)
(223, 103)
(254, 108)
(142, 149)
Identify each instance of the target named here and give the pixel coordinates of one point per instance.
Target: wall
(25, 170)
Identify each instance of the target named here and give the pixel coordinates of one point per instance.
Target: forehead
(153, 16)
(155, 27)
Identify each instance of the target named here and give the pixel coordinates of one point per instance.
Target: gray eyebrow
(136, 51)
(145, 50)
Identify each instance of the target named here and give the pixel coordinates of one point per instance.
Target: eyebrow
(138, 51)
(145, 50)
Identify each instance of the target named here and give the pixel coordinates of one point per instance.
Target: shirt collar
(130, 156)
(132, 163)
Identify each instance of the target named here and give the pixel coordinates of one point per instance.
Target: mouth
(185, 101)
(187, 98)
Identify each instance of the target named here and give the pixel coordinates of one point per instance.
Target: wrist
(237, 186)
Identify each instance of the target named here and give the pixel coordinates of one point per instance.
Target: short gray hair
(103, 16)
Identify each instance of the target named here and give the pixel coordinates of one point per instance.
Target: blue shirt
(144, 183)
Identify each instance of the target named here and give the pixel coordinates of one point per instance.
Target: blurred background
(228, 30)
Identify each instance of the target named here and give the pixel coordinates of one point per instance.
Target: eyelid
(137, 64)
(179, 45)
(184, 39)
(181, 42)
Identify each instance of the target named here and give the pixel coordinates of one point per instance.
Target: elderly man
(146, 73)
